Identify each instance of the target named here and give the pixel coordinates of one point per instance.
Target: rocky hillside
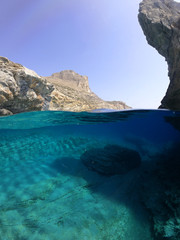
(160, 21)
(23, 90)
(72, 93)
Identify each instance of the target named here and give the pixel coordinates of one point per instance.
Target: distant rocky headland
(160, 21)
(22, 90)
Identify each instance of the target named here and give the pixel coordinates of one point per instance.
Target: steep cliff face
(70, 79)
(160, 21)
(72, 93)
(23, 90)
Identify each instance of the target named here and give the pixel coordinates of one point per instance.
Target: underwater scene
(90, 175)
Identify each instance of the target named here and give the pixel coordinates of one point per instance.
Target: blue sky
(98, 38)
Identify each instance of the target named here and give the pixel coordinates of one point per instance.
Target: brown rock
(22, 90)
(72, 93)
(5, 112)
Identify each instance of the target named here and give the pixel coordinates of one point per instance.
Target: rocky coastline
(23, 90)
(160, 22)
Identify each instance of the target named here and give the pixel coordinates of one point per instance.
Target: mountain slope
(23, 90)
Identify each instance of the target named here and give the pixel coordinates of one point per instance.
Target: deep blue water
(47, 193)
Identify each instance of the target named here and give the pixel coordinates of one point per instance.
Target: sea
(48, 193)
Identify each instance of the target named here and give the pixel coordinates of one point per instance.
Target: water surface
(47, 193)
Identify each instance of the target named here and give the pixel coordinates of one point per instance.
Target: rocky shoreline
(160, 22)
(23, 90)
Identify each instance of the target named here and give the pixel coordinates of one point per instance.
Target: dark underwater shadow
(122, 189)
(151, 191)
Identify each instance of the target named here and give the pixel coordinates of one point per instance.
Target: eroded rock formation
(23, 90)
(72, 93)
(160, 21)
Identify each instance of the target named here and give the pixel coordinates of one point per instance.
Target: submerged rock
(161, 194)
(160, 21)
(111, 160)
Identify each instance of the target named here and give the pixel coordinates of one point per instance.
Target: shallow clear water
(47, 193)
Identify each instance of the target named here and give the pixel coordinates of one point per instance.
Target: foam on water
(47, 193)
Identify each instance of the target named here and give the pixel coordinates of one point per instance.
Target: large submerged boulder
(160, 21)
(111, 160)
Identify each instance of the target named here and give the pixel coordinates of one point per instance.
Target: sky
(101, 39)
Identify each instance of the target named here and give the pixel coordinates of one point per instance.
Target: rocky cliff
(23, 90)
(160, 21)
(70, 79)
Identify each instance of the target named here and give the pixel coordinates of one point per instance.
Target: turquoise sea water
(46, 193)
